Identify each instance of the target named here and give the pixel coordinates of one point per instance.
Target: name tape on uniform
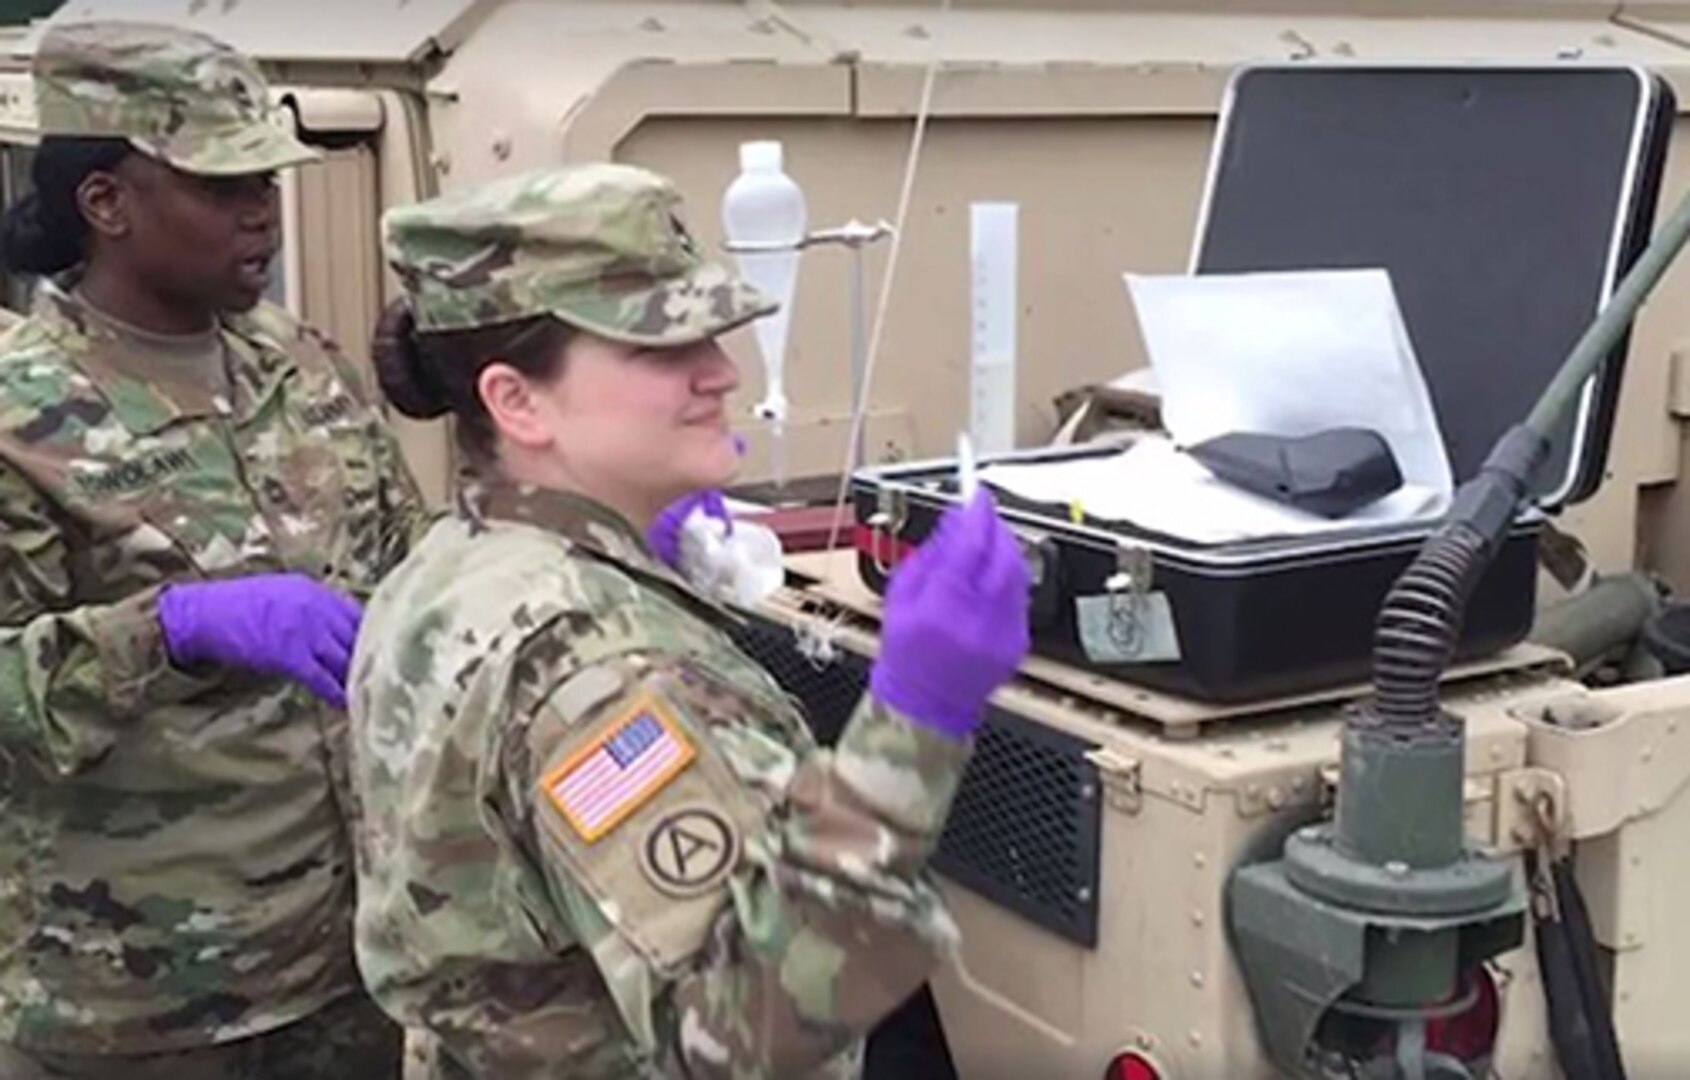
(626, 763)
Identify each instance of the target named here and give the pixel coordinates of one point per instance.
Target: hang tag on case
(1128, 628)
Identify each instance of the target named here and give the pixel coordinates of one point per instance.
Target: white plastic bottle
(763, 205)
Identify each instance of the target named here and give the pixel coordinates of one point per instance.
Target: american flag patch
(624, 765)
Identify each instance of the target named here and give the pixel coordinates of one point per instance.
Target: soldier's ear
(513, 405)
(103, 200)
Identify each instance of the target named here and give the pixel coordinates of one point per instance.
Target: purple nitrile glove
(664, 534)
(278, 624)
(955, 625)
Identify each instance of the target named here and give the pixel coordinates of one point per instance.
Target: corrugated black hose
(1420, 621)
(1419, 626)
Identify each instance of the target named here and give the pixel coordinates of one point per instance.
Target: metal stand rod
(859, 350)
(854, 235)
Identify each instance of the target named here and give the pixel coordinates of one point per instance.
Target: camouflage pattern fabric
(350, 1038)
(176, 95)
(750, 913)
(173, 856)
(600, 247)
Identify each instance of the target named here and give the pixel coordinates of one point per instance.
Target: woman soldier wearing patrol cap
(595, 839)
(191, 490)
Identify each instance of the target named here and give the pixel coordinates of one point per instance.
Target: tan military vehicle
(1094, 905)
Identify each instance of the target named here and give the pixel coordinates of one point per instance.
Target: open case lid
(1506, 203)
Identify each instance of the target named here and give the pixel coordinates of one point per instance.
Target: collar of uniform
(259, 356)
(585, 521)
(148, 405)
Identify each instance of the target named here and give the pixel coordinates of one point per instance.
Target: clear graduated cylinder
(992, 258)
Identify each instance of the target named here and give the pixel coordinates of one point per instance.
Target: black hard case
(1506, 202)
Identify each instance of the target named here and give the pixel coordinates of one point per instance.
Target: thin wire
(859, 408)
(816, 639)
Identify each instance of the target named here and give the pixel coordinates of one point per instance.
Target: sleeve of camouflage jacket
(70, 677)
(405, 513)
(826, 923)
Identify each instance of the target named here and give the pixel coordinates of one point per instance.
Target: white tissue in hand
(742, 568)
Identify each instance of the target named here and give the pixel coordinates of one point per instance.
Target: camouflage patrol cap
(178, 96)
(600, 247)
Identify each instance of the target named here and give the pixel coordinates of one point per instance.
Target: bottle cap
(764, 154)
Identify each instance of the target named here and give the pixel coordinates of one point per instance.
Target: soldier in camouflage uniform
(596, 839)
(193, 489)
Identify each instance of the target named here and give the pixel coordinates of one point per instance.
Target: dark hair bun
(44, 232)
(402, 369)
(29, 245)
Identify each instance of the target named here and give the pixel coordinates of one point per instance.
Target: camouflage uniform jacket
(173, 854)
(596, 840)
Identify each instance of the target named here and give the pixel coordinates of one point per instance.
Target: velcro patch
(660, 877)
(690, 850)
(629, 760)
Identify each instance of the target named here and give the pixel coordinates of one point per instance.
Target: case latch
(1127, 588)
(1122, 777)
(1044, 579)
(1134, 569)
(891, 513)
(1128, 623)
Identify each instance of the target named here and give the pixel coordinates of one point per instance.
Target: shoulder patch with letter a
(690, 850)
(629, 760)
(639, 809)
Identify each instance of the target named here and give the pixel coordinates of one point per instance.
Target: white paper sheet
(1272, 353)
(1289, 353)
